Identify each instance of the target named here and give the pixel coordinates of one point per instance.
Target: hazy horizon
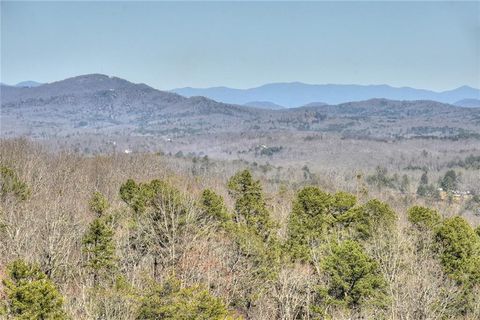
(433, 46)
(246, 88)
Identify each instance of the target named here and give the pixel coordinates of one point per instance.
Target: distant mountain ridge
(297, 94)
(104, 105)
(264, 105)
(468, 103)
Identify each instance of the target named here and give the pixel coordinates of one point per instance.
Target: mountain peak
(28, 84)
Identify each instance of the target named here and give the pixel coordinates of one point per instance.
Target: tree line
(168, 254)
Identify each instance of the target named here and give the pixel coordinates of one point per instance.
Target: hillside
(468, 103)
(237, 240)
(98, 104)
(264, 105)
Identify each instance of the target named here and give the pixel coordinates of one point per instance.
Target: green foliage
(250, 204)
(459, 249)
(10, 183)
(423, 218)
(162, 215)
(30, 294)
(450, 180)
(172, 302)
(213, 206)
(477, 230)
(428, 191)
(314, 213)
(159, 193)
(98, 203)
(342, 202)
(265, 255)
(309, 220)
(135, 195)
(99, 248)
(353, 278)
(254, 233)
(148, 195)
(366, 219)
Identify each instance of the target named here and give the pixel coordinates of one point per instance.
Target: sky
(430, 45)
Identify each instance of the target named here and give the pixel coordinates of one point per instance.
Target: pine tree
(423, 218)
(99, 249)
(449, 182)
(353, 278)
(213, 206)
(30, 295)
(250, 205)
(459, 249)
(172, 302)
(98, 203)
(370, 217)
(308, 221)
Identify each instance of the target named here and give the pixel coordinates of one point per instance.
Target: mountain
(28, 84)
(103, 104)
(468, 103)
(299, 94)
(264, 105)
(315, 104)
(100, 105)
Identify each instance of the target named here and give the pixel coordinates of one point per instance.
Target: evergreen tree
(426, 190)
(98, 203)
(308, 222)
(449, 182)
(250, 205)
(423, 218)
(135, 195)
(172, 302)
(424, 178)
(353, 278)
(366, 219)
(30, 295)
(99, 249)
(254, 233)
(128, 191)
(342, 202)
(459, 249)
(213, 206)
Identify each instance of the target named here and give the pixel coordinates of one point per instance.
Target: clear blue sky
(432, 45)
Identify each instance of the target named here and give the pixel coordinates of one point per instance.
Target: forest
(154, 236)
